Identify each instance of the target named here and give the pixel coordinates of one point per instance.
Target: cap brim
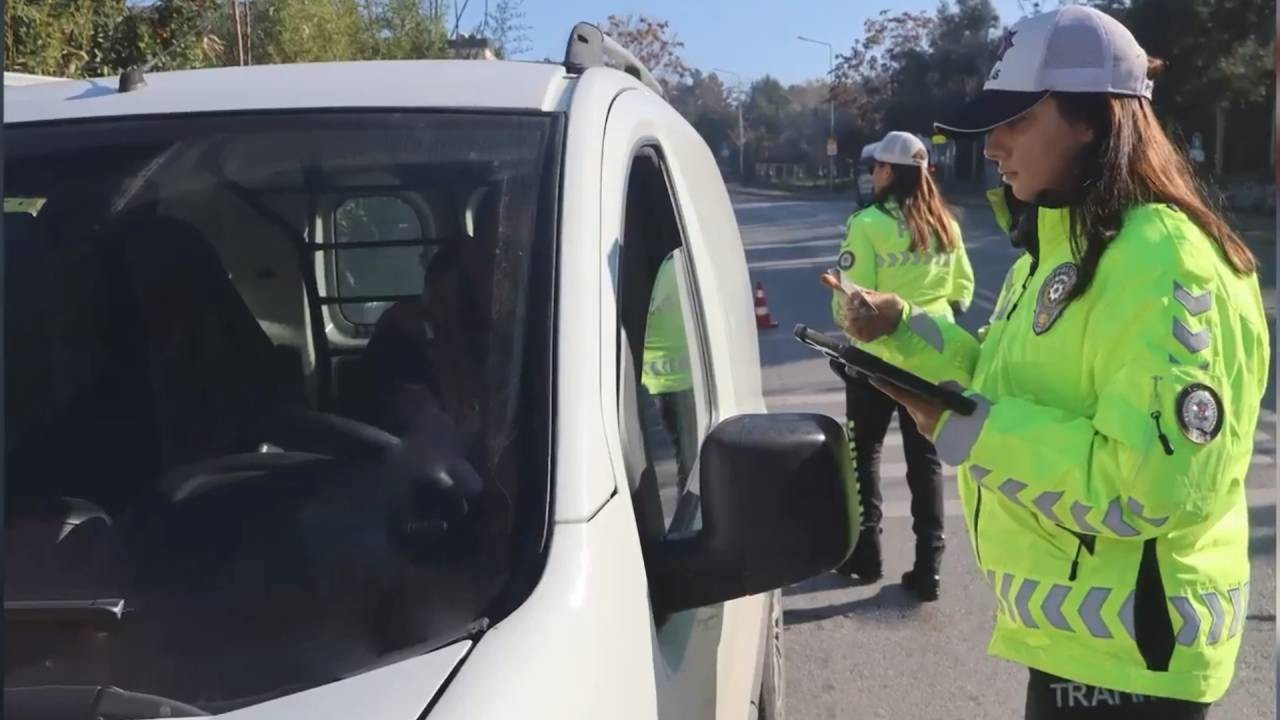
(989, 110)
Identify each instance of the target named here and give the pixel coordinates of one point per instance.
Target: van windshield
(277, 393)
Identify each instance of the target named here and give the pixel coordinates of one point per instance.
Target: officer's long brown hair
(1132, 162)
(926, 214)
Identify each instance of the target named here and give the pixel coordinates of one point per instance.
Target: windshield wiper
(101, 612)
(471, 631)
(90, 702)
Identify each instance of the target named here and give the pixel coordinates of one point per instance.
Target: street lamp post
(742, 137)
(831, 159)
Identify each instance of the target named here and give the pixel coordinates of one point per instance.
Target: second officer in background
(906, 242)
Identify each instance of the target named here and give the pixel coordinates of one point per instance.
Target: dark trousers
(678, 411)
(1052, 698)
(869, 412)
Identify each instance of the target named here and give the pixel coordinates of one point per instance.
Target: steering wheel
(284, 438)
(188, 481)
(310, 431)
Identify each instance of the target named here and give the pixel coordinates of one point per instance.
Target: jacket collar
(1053, 227)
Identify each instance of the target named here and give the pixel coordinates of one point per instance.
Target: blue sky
(750, 37)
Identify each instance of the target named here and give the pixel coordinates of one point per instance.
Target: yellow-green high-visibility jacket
(1103, 477)
(876, 255)
(1004, 218)
(666, 350)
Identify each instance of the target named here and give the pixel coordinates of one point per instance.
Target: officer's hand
(924, 411)
(871, 327)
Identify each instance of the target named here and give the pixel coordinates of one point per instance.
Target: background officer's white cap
(902, 148)
(1073, 49)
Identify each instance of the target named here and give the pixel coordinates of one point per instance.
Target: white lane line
(987, 295)
(828, 243)
(773, 204)
(818, 398)
(823, 260)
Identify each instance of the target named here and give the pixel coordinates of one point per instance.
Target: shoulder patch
(1200, 413)
(845, 261)
(1052, 299)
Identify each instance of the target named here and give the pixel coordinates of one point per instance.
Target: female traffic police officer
(905, 242)
(1118, 386)
(667, 374)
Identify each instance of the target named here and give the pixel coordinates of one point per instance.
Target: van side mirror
(779, 505)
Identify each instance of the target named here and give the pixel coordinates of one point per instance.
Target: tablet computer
(864, 363)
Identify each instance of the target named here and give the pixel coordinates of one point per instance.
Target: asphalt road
(870, 652)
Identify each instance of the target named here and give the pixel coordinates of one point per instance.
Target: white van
(327, 399)
(18, 79)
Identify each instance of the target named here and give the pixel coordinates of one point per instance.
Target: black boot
(864, 561)
(925, 579)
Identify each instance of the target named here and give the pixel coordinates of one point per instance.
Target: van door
(665, 397)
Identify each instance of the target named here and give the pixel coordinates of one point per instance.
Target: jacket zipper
(977, 539)
(1164, 439)
(1155, 416)
(1031, 273)
(1083, 542)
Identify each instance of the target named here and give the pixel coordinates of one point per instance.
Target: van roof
(474, 84)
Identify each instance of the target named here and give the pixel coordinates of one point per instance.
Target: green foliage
(1217, 51)
(406, 29)
(67, 37)
(93, 38)
(286, 31)
(909, 68)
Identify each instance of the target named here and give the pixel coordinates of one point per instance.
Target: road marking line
(823, 260)
(774, 203)
(833, 244)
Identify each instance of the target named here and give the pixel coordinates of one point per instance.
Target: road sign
(831, 147)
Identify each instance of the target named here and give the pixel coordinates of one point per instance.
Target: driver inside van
(423, 354)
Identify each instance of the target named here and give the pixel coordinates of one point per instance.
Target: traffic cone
(764, 319)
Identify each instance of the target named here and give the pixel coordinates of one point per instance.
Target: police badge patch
(1199, 413)
(845, 261)
(1053, 297)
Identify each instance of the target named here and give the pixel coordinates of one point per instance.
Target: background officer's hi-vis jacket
(876, 254)
(666, 351)
(1103, 476)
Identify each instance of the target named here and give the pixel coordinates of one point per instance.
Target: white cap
(902, 148)
(1072, 49)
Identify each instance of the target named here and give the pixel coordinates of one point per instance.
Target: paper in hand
(858, 302)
